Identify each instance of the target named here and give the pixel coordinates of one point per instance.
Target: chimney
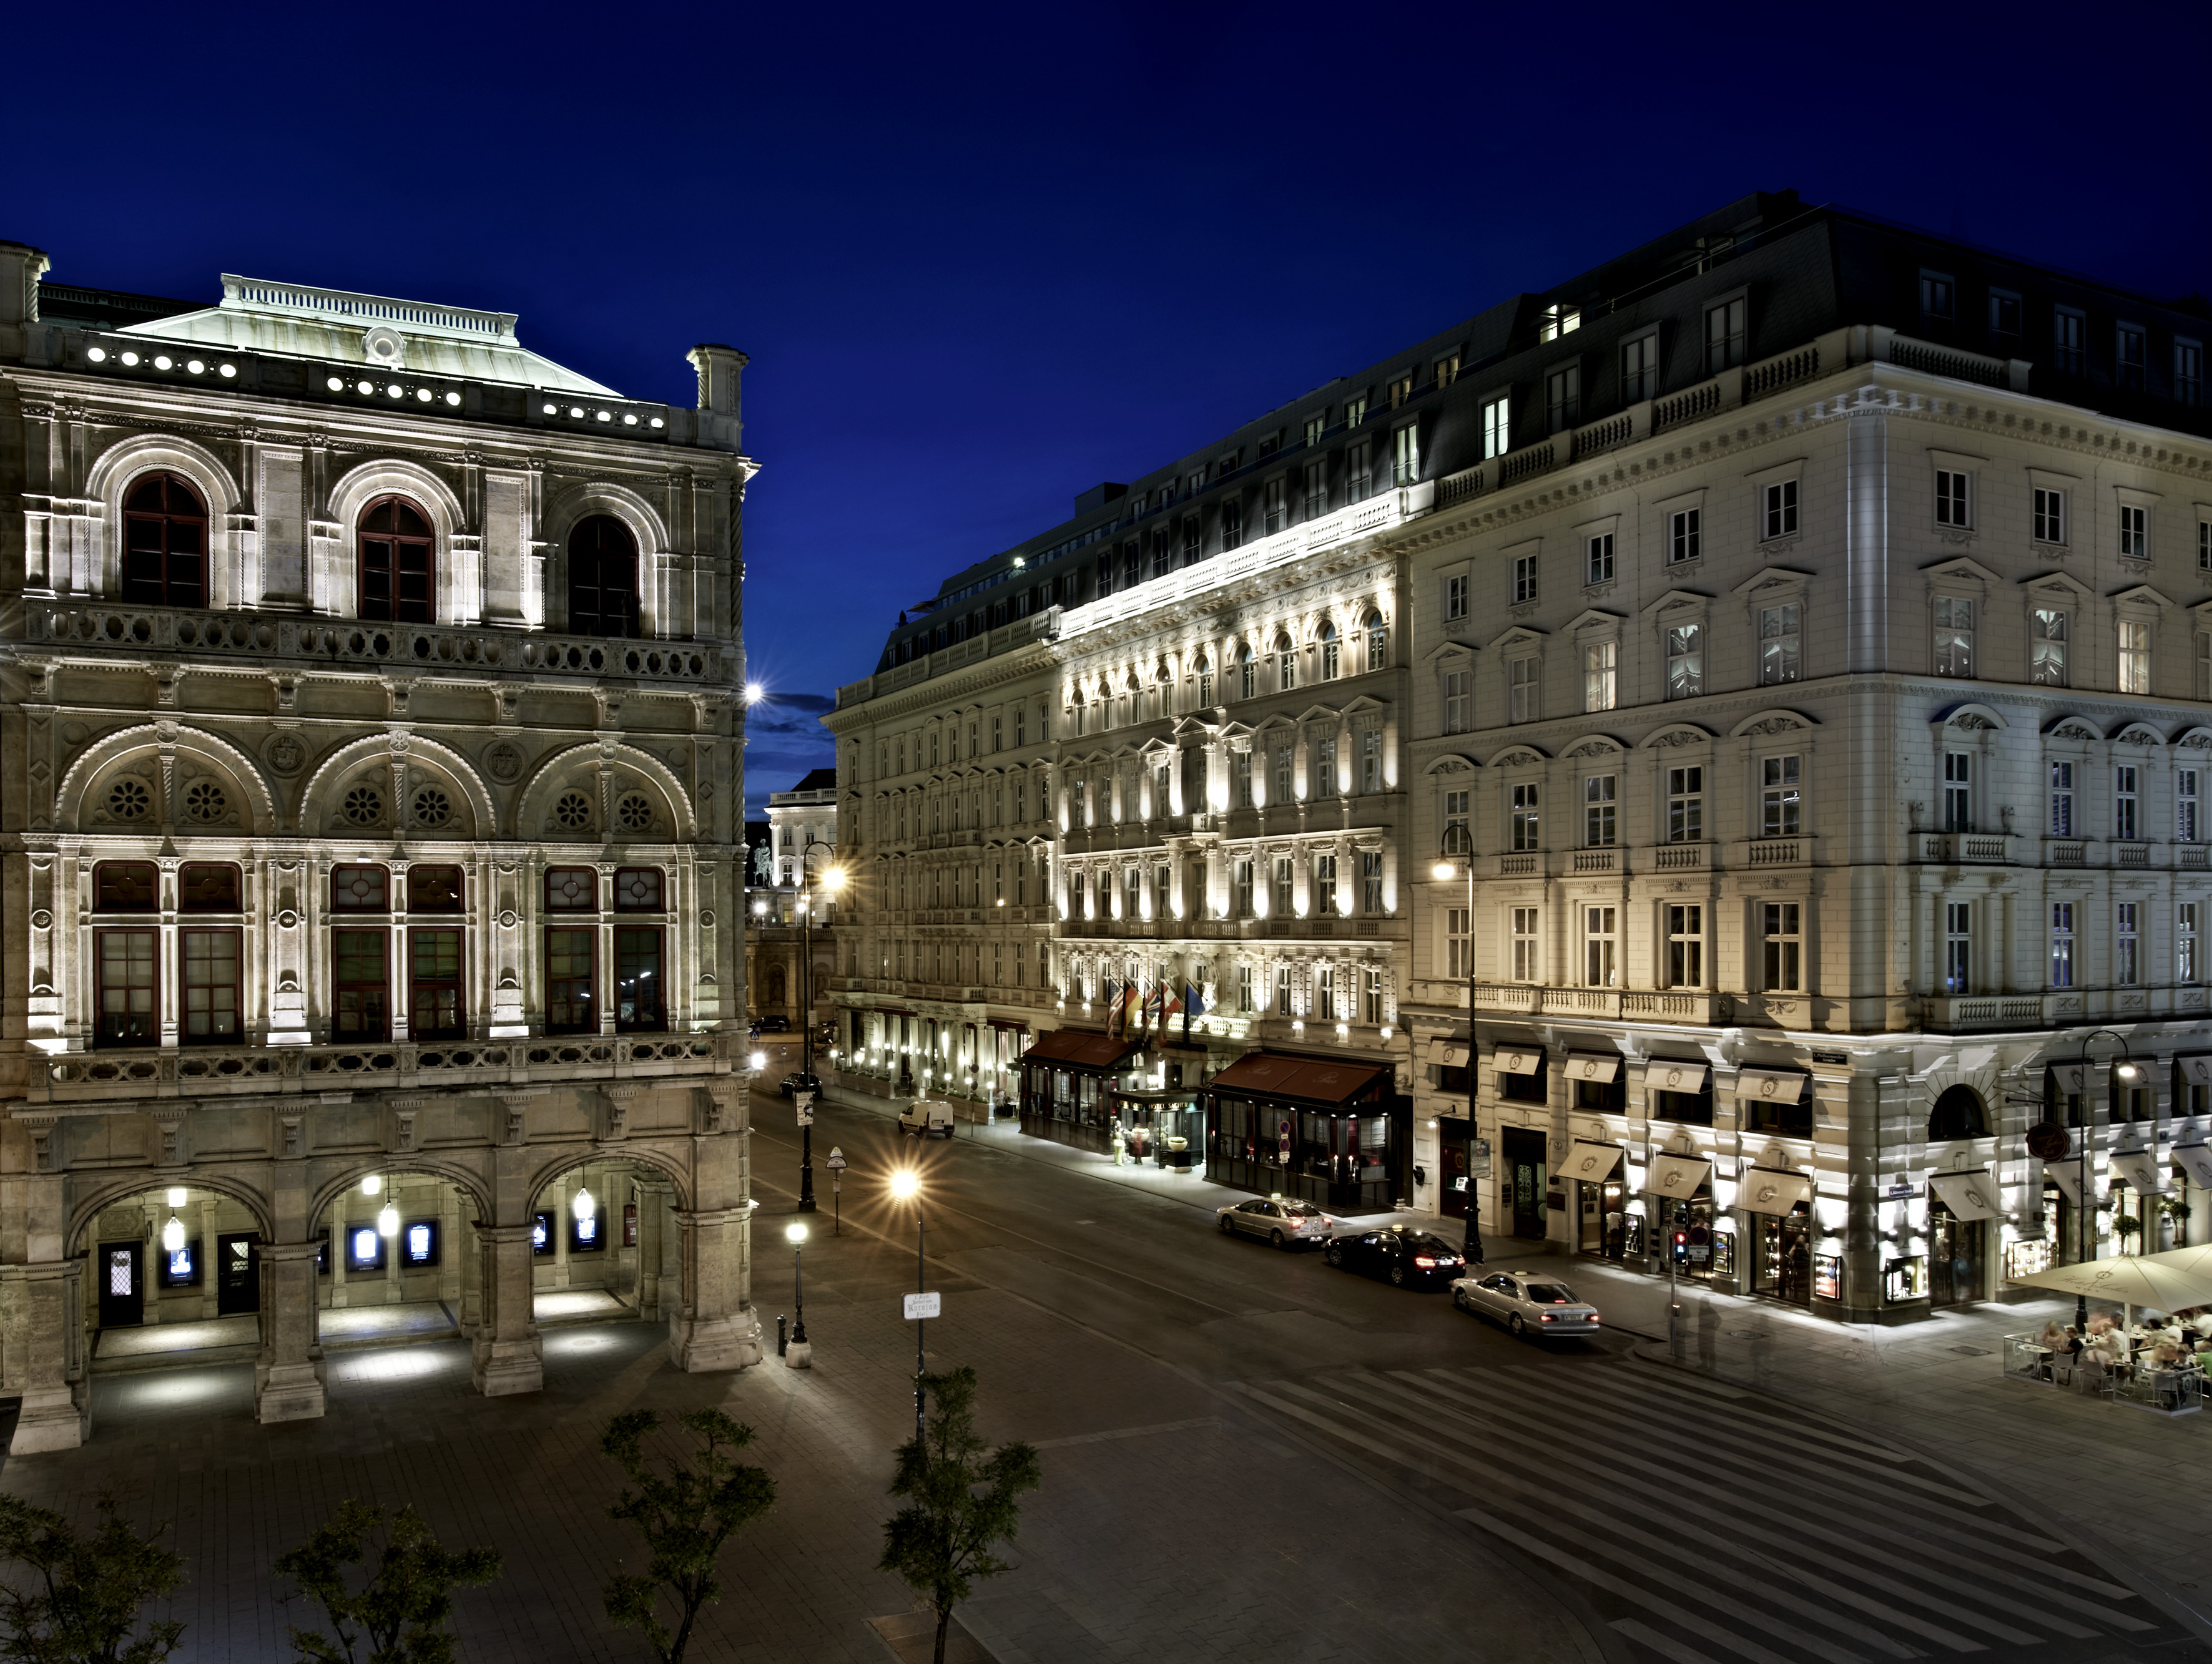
(21, 268)
(719, 368)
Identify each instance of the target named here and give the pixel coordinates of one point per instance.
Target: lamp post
(2084, 1208)
(833, 880)
(906, 1186)
(1445, 871)
(795, 1233)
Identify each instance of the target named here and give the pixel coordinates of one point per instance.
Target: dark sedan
(796, 1081)
(1408, 1258)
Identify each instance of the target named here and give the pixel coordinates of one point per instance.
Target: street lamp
(906, 1186)
(833, 880)
(2085, 1209)
(1444, 870)
(795, 1233)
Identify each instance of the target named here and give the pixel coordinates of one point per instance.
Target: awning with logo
(2196, 1071)
(1318, 1081)
(1772, 1190)
(1448, 1053)
(2067, 1176)
(1678, 1176)
(1664, 1074)
(1968, 1195)
(1516, 1059)
(2140, 1169)
(1771, 1085)
(1592, 1065)
(1079, 1048)
(1589, 1163)
(2196, 1160)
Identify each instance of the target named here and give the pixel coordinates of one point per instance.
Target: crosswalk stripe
(1860, 1545)
(1654, 1381)
(1666, 1646)
(1552, 1500)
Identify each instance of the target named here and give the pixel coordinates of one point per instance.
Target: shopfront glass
(1451, 1161)
(1954, 1256)
(1687, 1227)
(1781, 1256)
(1602, 1221)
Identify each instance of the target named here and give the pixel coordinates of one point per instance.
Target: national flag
(1193, 1004)
(1132, 1010)
(1170, 1008)
(1111, 995)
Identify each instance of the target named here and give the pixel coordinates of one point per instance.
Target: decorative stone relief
(503, 761)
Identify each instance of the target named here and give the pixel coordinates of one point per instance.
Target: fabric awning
(2196, 1160)
(1665, 1074)
(2067, 1176)
(1968, 1195)
(1589, 1163)
(2140, 1169)
(1448, 1053)
(2070, 1077)
(1517, 1059)
(1772, 1085)
(1079, 1048)
(1772, 1190)
(1593, 1066)
(2196, 1071)
(1678, 1175)
(1319, 1081)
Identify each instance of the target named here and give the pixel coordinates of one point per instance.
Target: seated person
(2053, 1338)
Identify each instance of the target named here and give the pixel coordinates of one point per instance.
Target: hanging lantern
(173, 1233)
(387, 1221)
(584, 1205)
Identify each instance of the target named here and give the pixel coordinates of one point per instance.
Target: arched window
(1331, 653)
(397, 564)
(1248, 672)
(1957, 1114)
(1378, 641)
(164, 544)
(1205, 681)
(1286, 664)
(602, 578)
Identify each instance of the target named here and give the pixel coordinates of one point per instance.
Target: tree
(685, 1516)
(962, 1502)
(399, 1614)
(80, 1603)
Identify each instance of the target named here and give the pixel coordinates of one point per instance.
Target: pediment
(1669, 600)
(1970, 717)
(1675, 734)
(1777, 721)
(1772, 577)
(2064, 583)
(1467, 650)
(1961, 568)
(1594, 745)
(2072, 726)
(1519, 636)
(2142, 595)
(1452, 762)
(2137, 733)
(1594, 618)
(1518, 754)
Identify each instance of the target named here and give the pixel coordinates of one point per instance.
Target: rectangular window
(1371, 882)
(1405, 454)
(208, 887)
(1324, 886)
(1601, 947)
(1316, 426)
(1527, 962)
(569, 993)
(1497, 431)
(1639, 369)
(360, 986)
(572, 890)
(638, 889)
(125, 887)
(1281, 791)
(1724, 336)
(1244, 874)
(1370, 760)
(1685, 947)
(1285, 902)
(1358, 480)
(1954, 637)
(2135, 532)
(125, 976)
(1779, 803)
(1686, 661)
(1597, 561)
(1524, 578)
(2049, 516)
(1240, 768)
(1355, 409)
(1600, 793)
(2125, 799)
(1316, 490)
(433, 985)
(2062, 944)
(1958, 946)
(2046, 629)
(1132, 893)
(1957, 792)
(210, 1012)
(2124, 944)
(1325, 992)
(1778, 511)
(1779, 637)
(2004, 321)
(2189, 372)
(1276, 495)
(1371, 997)
(1163, 893)
(2061, 800)
(1600, 674)
(1191, 549)
(1455, 599)
(1244, 989)
(1282, 991)
(1521, 674)
(2135, 657)
(1954, 505)
(1558, 320)
(1563, 397)
(361, 890)
(1683, 535)
(1782, 938)
(2069, 352)
(1456, 841)
(1458, 962)
(2184, 806)
(2186, 965)
(1686, 805)
(1457, 713)
(1400, 391)
(1524, 825)
(2129, 354)
(1233, 523)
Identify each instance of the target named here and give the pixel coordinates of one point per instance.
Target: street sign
(1478, 1159)
(1700, 1236)
(836, 1162)
(1700, 1252)
(806, 1114)
(922, 1305)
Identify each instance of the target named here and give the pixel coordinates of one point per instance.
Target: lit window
(1954, 637)
(2135, 657)
(2125, 801)
(2062, 944)
(1601, 947)
(1497, 432)
(2124, 944)
(1778, 802)
(1958, 946)
(2184, 806)
(1527, 966)
(1558, 320)
(1521, 677)
(2061, 800)
(1686, 805)
(1783, 940)
(2047, 632)
(1685, 661)
(1600, 675)
(1778, 643)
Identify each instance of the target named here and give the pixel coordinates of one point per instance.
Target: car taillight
(1592, 1317)
(1424, 1259)
(1543, 1317)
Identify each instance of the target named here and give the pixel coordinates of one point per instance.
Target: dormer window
(1556, 321)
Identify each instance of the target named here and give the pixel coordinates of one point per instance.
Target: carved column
(288, 1375)
(504, 1352)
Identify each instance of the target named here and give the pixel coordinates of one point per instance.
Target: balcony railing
(1687, 1005)
(76, 1076)
(1957, 849)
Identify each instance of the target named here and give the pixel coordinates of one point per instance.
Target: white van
(926, 1116)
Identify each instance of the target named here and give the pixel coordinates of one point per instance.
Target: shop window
(361, 890)
(364, 1248)
(418, 1243)
(125, 887)
(434, 997)
(572, 890)
(396, 562)
(1788, 1121)
(542, 1244)
(210, 986)
(125, 970)
(1684, 1109)
(1956, 1115)
(641, 1004)
(1905, 1279)
(1529, 1088)
(587, 1236)
(1827, 1277)
(360, 988)
(638, 889)
(602, 578)
(206, 887)
(164, 544)
(569, 1007)
(434, 889)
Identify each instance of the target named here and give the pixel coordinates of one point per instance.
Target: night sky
(982, 260)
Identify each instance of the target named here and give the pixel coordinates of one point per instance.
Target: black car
(1408, 1258)
(797, 1081)
(772, 1025)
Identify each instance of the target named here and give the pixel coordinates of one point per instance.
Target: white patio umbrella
(2130, 1280)
(2189, 1261)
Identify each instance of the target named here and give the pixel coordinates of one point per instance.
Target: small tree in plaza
(686, 1514)
(71, 1599)
(398, 1616)
(961, 1502)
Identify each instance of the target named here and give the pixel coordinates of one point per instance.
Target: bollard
(780, 1341)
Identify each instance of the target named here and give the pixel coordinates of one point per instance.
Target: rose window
(363, 806)
(432, 807)
(573, 810)
(204, 801)
(634, 811)
(129, 799)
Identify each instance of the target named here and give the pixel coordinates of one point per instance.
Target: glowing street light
(584, 1205)
(754, 693)
(795, 1233)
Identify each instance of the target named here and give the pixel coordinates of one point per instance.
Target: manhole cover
(1971, 1351)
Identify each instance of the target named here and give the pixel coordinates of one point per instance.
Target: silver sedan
(1285, 1223)
(1537, 1304)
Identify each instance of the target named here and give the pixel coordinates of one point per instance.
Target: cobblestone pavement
(1247, 1454)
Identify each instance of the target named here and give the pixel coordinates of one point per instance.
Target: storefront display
(1068, 1087)
(1330, 1132)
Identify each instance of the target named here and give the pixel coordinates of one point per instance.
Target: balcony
(1680, 857)
(1795, 851)
(1966, 848)
(210, 1071)
(1693, 1006)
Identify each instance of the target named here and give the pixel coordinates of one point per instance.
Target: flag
(1133, 1010)
(1111, 996)
(1193, 1004)
(1155, 1004)
(1170, 1006)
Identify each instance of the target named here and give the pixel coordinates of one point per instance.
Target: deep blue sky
(983, 260)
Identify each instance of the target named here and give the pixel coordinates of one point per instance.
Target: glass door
(1781, 1262)
(1954, 1258)
(1524, 1156)
(238, 1274)
(1451, 1151)
(1602, 1220)
(122, 1299)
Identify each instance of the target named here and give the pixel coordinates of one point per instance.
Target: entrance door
(122, 1296)
(1451, 1159)
(1524, 1158)
(1600, 1219)
(1781, 1257)
(1954, 1258)
(238, 1274)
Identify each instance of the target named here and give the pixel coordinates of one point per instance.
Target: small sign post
(920, 1306)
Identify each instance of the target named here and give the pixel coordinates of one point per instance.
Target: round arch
(531, 800)
(601, 1156)
(314, 799)
(119, 467)
(575, 503)
(335, 586)
(122, 1189)
(1958, 1113)
(469, 1184)
(149, 736)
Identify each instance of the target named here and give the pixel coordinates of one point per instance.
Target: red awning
(1079, 1048)
(1314, 1080)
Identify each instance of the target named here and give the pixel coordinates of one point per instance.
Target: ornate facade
(371, 828)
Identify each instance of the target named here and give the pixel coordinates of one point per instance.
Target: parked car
(926, 1116)
(772, 1025)
(797, 1081)
(1285, 1224)
(1534, 1303)
(1399, 1253)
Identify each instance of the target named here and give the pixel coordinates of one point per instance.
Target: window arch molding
(317, 798)
(534, 801)
(225, 757)
(577, 503)
(117, 472)
(457, 574)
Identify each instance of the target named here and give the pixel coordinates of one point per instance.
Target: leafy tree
(962, 1502)
(79, 1603)
(685, 1516)
(399, 1614)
